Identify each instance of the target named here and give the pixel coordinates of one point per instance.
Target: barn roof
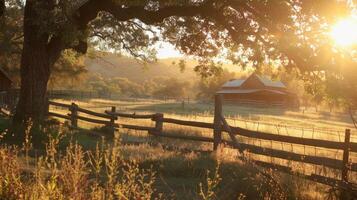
(234, 83)
(263, 79)
(248, 91)
(268, 82)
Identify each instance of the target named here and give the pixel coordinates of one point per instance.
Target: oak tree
(245, 32)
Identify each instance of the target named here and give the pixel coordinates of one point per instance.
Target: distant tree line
(310, 93)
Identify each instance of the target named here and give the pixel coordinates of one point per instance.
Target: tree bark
(35, 72)
(36, 63)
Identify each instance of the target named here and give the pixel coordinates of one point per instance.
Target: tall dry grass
(72, 173)
(113, 171)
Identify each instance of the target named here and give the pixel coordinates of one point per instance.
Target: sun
(344, 33)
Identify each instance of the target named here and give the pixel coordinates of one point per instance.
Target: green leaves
(208, 68)
(130, 37)
(247, 33)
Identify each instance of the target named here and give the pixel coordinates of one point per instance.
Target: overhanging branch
(209, 9)
(89, 11)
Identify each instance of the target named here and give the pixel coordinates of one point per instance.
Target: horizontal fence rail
(219, 126)
(294, 140)
(89, 112)
(59, 115)
(268, 136)
(133, 116)
(59, 104)
(95, 121)
(188, 123)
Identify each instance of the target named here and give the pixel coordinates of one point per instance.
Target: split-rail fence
(220, 126)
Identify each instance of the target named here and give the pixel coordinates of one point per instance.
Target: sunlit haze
(166, 50)
(344, 32)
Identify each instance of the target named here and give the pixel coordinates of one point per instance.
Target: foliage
(69, 67)
(116, 86)
(207, 87)
(248, 33)
(131, 37)
(171, 87)
(128, 87)
(11, 37)
(158, 87)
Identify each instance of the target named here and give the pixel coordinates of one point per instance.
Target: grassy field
(158, 168)
(81, 165)
(297, 118)
(307, 124)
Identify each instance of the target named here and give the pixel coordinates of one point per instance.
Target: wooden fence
(220, 126)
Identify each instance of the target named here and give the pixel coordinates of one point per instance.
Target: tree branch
(152, 17)
(55, 47)
(209, 9)
(89, 11)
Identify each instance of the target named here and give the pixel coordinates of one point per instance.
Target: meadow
(134, 165)
(292, 122)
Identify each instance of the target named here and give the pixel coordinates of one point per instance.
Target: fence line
(327, 131)
(220, 126)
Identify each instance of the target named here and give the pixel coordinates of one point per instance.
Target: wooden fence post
(345, 163)
(74, 114)
(346, 153)
(217, 122)
(112, 120)
(159, 122)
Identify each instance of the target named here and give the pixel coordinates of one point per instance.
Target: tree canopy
(293, 33)
(68, 67)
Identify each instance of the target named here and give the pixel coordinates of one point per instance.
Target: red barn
(258, 89)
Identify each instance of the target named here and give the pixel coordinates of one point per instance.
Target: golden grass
(294, 123)
(111, 170)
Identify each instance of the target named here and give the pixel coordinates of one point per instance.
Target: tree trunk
(35, 72)
(36, 62)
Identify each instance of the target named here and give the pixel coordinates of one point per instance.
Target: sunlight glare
(344, 32)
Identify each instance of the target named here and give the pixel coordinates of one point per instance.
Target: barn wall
(264, 95)
(263, 98)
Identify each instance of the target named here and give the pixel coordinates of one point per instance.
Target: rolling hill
(110, 66)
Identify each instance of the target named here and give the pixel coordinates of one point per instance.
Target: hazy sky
(166, 50)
